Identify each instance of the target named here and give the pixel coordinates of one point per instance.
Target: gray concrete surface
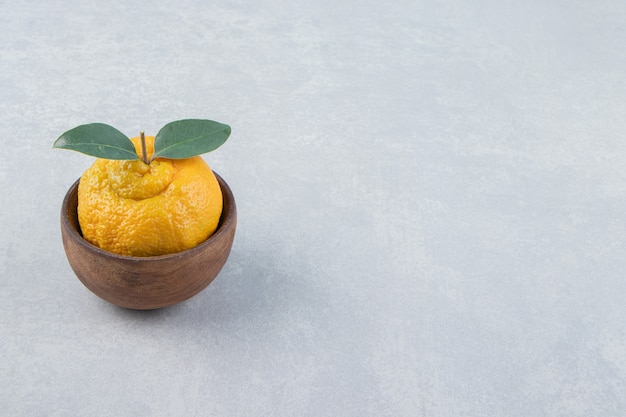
(431, 195)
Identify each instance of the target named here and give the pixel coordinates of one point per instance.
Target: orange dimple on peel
(130, 208)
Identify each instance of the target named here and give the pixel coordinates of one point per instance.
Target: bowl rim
(226, 220)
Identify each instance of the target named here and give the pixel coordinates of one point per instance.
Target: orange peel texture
(134, 209)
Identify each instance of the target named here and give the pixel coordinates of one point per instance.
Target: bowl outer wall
(147, 282)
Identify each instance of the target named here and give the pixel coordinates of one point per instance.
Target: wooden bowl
(145, 283)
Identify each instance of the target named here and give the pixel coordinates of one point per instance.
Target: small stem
(144, 153)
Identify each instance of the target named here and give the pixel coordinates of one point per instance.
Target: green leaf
(189, 137)
(99, 140)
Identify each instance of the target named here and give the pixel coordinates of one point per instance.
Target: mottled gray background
(431, 195)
